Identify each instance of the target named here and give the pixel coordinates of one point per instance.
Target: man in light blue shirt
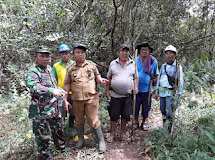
(167, 85)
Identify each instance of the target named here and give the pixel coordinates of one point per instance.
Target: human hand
(157, 97)
(108, 95)
(66, 105)
(104, 81)
(58, 92)
(135, 90)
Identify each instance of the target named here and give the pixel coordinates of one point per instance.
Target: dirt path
(119, 150)
(131, 151)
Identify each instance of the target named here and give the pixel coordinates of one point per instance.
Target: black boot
(80, 142)
(100, 137)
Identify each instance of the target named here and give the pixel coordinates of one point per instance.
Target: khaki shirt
(82, 80)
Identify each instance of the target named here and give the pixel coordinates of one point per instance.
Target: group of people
(124, 80)
(70, 87)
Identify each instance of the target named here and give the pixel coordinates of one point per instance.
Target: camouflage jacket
(41, 83)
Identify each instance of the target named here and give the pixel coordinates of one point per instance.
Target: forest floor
(118, 150)
(17, 143)
(133, 150)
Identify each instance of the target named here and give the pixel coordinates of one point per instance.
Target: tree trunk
(127, 21)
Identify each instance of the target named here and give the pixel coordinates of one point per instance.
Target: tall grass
(16, 138)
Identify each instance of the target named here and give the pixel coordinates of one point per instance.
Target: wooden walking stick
(176, 91)
(150, 88)
(134, 97)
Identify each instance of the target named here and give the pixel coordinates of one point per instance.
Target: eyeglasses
(144, 50)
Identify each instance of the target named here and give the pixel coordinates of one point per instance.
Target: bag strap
(165, 71)
(177, 67)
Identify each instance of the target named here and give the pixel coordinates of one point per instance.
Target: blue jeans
(166, 106)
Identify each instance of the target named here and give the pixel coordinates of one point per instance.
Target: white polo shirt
(122, 78)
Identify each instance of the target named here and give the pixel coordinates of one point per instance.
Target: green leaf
(212, 147)
(210, 136)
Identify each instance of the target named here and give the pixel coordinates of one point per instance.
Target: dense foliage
(103, 25)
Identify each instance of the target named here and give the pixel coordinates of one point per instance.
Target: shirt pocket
(45, 80)
(75, 75)
(89, 72)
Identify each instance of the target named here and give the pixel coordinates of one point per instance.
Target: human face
(65, 56)
(170, 57)
(144, 52)
(124, 54)
(79, 55)
(42, 59)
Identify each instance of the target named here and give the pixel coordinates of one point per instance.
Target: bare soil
(120, 150)
(135, 149)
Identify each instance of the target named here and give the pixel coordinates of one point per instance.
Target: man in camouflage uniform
(43, 109)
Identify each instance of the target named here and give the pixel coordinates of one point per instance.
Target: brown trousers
(90, 109)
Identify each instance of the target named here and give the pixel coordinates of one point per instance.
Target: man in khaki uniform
(81, 78)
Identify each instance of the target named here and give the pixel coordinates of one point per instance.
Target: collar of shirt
(85, 63)
(40, 68)
(129, 60)
(141, 60)
(61, 63)
(174, 63)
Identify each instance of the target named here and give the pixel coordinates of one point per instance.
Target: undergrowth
(183, 144)
(194, 132)
(193, 136)
(17, 141)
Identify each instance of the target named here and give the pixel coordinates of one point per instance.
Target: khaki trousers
(88, 108)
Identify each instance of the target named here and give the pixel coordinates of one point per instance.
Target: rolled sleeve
(155, 66)
(109, 74)
(97, 74)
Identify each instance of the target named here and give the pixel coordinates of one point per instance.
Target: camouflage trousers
(44, 129)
